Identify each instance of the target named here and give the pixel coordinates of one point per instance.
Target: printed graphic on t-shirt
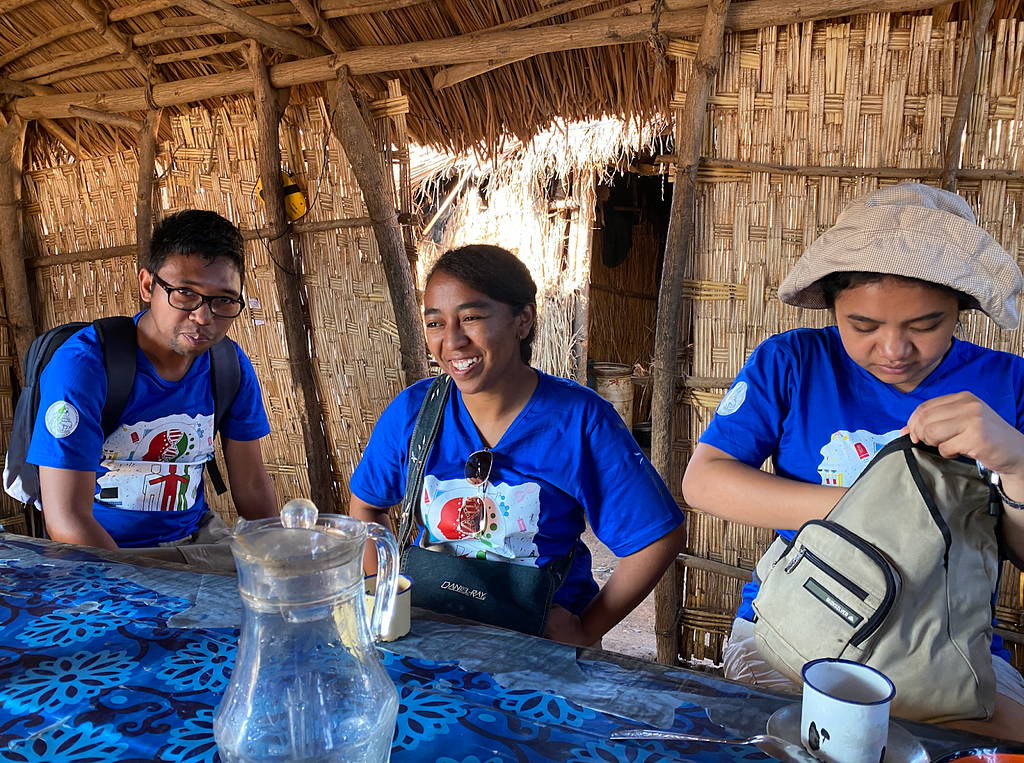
(847, 453)
(156, 465)
(509, 524)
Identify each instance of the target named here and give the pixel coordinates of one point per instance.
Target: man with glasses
(142, 487)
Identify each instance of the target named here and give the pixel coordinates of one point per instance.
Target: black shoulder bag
(513, 596)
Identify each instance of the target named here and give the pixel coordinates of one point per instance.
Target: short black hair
(196, 233)
(497, 273)
(836, 283)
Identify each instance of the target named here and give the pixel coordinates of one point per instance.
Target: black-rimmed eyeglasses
(189, 301)
(472, 514)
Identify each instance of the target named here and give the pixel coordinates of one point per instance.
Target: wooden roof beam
(587, 33)
(6, 6)
(250, 26)
(116, 40)
(117, 120)
(46, 38)
(211, 50)
(82, 71)
(336, 9)
(66, 61)
(10, 87)
(321, 27)
(62, 137)
(452, 75)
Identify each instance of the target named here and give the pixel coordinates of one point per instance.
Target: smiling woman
(522, 460)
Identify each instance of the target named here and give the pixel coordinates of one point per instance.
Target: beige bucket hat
(915, 231)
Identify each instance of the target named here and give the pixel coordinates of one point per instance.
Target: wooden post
(951, 158)
(144, 193)
(689, 132)
(354, 136)
(12, 255)
(269, 109)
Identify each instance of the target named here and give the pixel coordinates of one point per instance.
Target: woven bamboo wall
(210, 163)
(878, 91)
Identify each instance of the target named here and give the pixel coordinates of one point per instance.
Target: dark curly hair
(835, 284)
(497, 273)
(196, 233)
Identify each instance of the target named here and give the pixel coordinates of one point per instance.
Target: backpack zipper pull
(796, 559)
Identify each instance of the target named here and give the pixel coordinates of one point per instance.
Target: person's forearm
(1012, 524)
(67, 527)
(634, 578)
(361, 510)
(732, 490)
(67, 497)
(260, 502)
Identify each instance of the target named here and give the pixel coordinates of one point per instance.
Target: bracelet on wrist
(1008, 502)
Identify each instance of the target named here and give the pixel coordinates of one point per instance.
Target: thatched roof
(586, 58)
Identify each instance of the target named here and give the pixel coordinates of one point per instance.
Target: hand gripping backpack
(900, 576)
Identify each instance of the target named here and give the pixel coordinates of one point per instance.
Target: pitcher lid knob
(299, 513)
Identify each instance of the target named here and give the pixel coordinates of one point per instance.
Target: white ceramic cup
(400, 620)
(844, 716)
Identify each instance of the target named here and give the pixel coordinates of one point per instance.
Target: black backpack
(117, 337)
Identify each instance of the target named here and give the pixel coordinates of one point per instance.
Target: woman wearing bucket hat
(896, 270)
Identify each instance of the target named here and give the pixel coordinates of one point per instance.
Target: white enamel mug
(844, 716)
(401, 619)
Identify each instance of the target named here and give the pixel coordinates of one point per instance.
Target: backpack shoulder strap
(118, 339)
(225, 380)
(427, 423)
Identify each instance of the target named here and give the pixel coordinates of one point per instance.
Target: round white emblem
(61, 419)
(733, 399)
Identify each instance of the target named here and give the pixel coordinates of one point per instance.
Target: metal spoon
(778, 748)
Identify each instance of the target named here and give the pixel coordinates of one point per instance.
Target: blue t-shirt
(802, 401)
(149, 486)
(567, 453)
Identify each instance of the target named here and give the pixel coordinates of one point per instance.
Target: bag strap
(225, 379)
(118, 339)
(423, 434)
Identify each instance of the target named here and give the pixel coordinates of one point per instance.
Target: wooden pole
(22, 89)
(116, 40)
(269, 109)
(12, 255)
(586, 33)
(354, 136)
(144, 196)
(248, 25)
(689, 133)
(117, 120)
(951, 156)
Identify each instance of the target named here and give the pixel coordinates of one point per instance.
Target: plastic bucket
(614, 382)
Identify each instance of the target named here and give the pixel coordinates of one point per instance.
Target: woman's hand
(565, 627)
(963, 425)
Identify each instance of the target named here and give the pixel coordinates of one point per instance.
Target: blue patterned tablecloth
(106, 661)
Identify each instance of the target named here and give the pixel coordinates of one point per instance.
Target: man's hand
(67, 507)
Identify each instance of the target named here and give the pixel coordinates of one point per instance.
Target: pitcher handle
(387, 578)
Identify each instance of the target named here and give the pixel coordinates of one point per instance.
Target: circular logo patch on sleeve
(733, 399)
(61, 419)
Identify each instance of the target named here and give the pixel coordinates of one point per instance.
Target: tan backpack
(899, 576)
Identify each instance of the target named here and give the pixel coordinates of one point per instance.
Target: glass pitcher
(307, 683)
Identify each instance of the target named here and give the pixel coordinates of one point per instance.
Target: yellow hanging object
(294, 201)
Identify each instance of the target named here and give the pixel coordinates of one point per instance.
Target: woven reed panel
(210, 163)
(878, 91)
